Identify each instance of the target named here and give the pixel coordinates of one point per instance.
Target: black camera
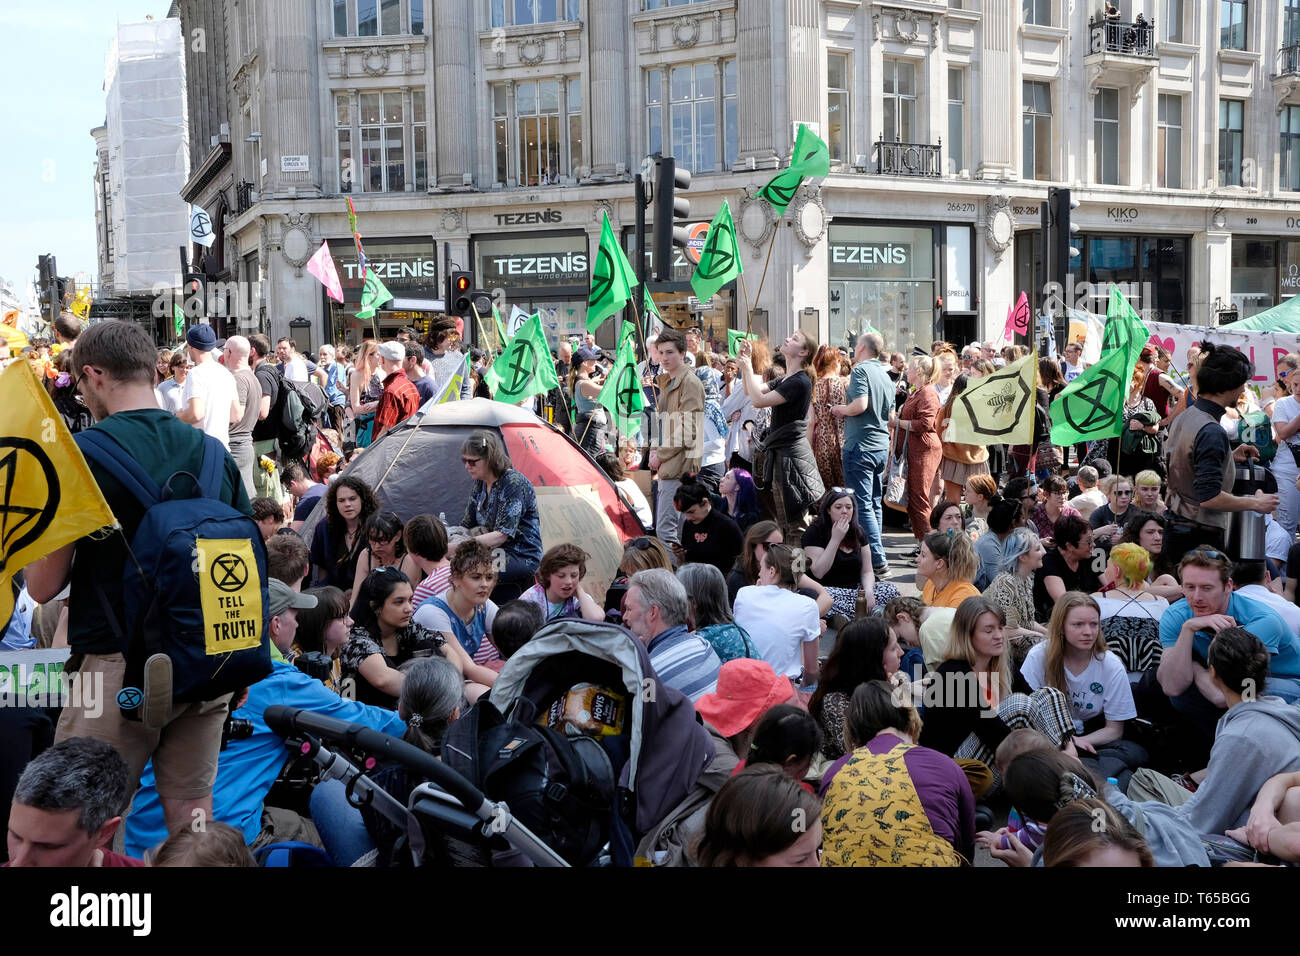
(315, 664)
(235, 728)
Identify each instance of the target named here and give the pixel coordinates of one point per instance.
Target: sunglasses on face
(1126, 493)
(469, 461)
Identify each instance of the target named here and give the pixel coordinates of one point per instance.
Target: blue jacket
(246, 769)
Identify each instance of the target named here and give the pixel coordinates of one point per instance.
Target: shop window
(1105, 137)
(1289, 177)
(524, 12)
(1232, 24)
(900, 102)
(1037, 130)
(837, 105)
(885, 277)
(1231, 137)
(1169, 142)
(684, 109)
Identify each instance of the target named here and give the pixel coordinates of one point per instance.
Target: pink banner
(1017, 319)
(322, 267)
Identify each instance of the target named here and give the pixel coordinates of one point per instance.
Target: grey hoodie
(1253, 741)
(1172, 840)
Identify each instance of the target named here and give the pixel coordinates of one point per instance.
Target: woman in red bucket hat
(747, 689)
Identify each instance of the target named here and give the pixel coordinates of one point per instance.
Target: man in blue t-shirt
(870, 398)
(1187, 628)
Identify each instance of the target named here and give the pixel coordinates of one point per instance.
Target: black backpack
(562, 788)
(295, 419)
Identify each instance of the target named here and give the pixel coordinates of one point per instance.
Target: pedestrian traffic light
(481, 301)
(194, 295)
(669, 207)
(459, 290)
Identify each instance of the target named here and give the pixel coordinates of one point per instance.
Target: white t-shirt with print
(214, 384)
(779, 622)
(1102, 689)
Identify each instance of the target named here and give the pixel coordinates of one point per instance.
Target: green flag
(1092, 406)
(720, 258)
(1124, 329)
(502, 338)
(622, 392)
(178, 319)
(373, 295)
(648, 307)
(810, 157)
(525, 369)
(626, 334)
(735, 337)
(612, 278)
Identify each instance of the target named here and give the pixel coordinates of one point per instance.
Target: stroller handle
(289, 721)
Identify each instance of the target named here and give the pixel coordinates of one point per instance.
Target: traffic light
(481, 301)
(1061, 232)
(46, 289)
(459, 290)
(194, 295)
(668, 208)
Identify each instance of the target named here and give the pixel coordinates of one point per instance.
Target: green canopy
(1280, 318)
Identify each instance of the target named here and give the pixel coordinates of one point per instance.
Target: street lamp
(256, 139)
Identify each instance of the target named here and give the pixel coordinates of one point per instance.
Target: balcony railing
(1116, 36)
(243, 197)
(908, 159)
(1288, 60)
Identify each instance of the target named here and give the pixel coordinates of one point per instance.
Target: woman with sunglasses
(384, 637)
(339, 541)
(1107, 520)
(758, 538)
(502, 512)
(383, 534)
(838, 556)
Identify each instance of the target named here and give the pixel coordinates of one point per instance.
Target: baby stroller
(517, 773)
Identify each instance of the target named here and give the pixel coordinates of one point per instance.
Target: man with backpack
(286, 427)
(113, 366)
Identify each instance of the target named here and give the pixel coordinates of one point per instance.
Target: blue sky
(52, 78)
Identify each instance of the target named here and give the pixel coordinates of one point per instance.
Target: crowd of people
(1082, 645)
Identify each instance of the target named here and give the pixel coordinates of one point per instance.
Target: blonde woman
(949, 563)
(365, 385)
(1130, 608)
(1076, 661)
(1146, 492)
(916, 424)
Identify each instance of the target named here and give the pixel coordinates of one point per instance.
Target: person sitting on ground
(559, 591)
(288, 560)
(1107, 520)
(707, 535)
(949, 563)
(979, 492)
(323, 630)
(1250, 579)
(947, 516)
(502, 512)
(464, 614)
(904, 616)
(1090, 497)
(1024, 490)
(248, 767)
(1013, 589)
(217, 844)
(639, 554)
(739, 498)
(269, 515)
(1003, 517)
(786, 737)
(655, 610)
(1130, 610)
(865, 650)
(1274, 824)
(1148, 531)
(385, 548)
(922, 809)
(1187, 629)
(1076, 661)
(425, 537)
(1052, 508)
(612, 466)
(838, 557)
(1092, 833)
(515, 624)
(1071, 566)
(293, 478)
(384, 637)
(758, 538)
(970, 707)
(710, 612)
(782, 623)
(339, 540)
(1146, 488)
(748, 823)
(68, 805)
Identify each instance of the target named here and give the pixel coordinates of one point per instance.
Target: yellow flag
(997, 409)
(47, 495)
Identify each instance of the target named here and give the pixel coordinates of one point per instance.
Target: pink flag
(321, 266)
(1017, 319)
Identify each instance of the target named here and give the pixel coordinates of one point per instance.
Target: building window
(956, 121)
(1291, 23)
(574, 105)
(1038, 12)
(837, 106)
(537, 132)
(500, 131)
(417, 17)
(367, 18)
(1171, 25)
(383, 157)
(1232, 24)
(1037, 131)
(343, 136)
(664, 4)
(420, 140)
(1289, 178)
(522, 12)
(1231, 136)
(1105, 137)
(900, 101)
(378, 17)
(340, 18)
(694, 104)
(1169, 142)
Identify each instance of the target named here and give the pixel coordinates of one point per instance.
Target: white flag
(201, 226)
(517, 319)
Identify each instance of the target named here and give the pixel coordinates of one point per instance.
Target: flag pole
(763, 278)
(478, 320)
(749, 316)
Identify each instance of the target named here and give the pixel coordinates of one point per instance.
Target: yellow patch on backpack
(231, 593)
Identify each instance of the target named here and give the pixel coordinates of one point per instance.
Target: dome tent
(415, 468)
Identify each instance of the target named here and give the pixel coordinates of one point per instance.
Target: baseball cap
(393, 351)
(587, 354)
(281, 597)
(747, 689)
(201, 337)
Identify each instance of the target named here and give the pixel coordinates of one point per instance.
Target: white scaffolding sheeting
(148, 151)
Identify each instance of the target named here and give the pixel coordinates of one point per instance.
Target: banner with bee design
(997, 409)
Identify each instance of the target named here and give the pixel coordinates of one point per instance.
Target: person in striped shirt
(655, 610)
